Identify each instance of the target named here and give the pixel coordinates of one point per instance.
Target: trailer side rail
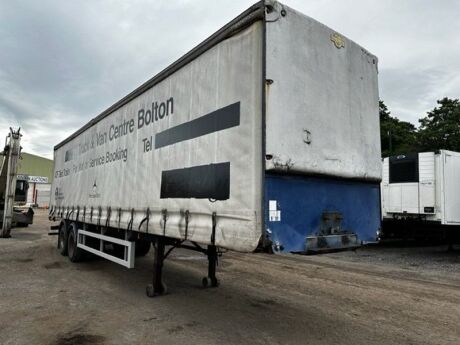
(129, 252)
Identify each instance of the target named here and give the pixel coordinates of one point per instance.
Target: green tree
(396, 136)
(440, 128)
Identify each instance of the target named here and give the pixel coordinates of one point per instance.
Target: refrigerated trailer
(266, 134)
(421, 189)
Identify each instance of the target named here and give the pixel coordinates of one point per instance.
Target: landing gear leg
(211, 279)
(157, 288)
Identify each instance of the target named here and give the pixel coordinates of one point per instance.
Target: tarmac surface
(376, 295)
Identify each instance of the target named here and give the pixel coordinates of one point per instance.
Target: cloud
(63, 62)
(412, 92)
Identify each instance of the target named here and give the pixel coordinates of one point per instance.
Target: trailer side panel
(322, 106)
(191, 143)
(451, 164)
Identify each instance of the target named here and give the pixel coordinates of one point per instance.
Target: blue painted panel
(302, 200)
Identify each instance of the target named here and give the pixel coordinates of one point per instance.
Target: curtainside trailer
(420, 194)
(266, 134)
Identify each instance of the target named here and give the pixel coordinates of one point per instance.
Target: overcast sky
(63, 62)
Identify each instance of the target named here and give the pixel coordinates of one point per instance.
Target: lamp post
(390, 142)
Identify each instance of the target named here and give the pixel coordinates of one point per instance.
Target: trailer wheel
(142, 247)
(150, 291)
(62, 239)
(209, 282)
(75, 253)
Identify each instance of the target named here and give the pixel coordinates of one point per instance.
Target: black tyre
(62, 239)
(209, 282)
(75, 253)
(142, 247)
(117, 250)
(150, 291)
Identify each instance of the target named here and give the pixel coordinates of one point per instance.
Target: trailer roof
(251, 15)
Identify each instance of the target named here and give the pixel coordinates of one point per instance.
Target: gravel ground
(414, 256)
(376, 295)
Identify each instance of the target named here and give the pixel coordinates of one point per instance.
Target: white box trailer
(268, 131)
(422, 186)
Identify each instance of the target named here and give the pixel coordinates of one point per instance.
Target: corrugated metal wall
(33, 165)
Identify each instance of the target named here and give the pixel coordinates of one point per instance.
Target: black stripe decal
(201, 182)
(218, 120)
